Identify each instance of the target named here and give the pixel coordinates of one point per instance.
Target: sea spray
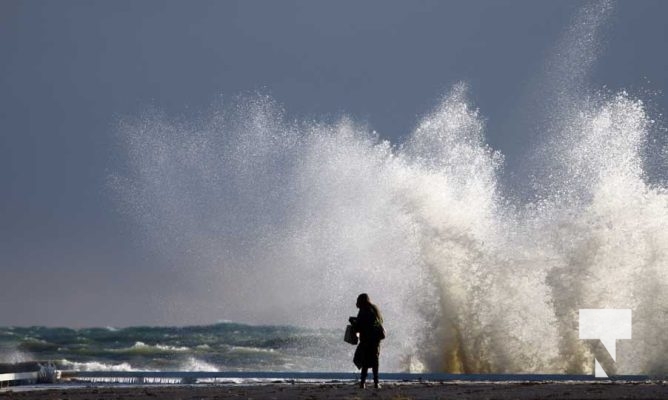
(467, 281)
(281, 221)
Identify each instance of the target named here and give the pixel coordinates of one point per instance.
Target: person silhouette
(369, 326)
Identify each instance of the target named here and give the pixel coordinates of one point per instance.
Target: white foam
(96, 366)
(14, 356)
(248, 349)
(141, 346)
(196, 365)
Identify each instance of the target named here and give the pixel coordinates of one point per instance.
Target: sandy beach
(395, 391)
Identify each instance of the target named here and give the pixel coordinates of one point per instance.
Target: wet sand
(394, 391)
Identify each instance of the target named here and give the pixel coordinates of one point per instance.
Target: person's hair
(363, 300)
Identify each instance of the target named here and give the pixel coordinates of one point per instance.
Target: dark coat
(368, 350)
(366, 320)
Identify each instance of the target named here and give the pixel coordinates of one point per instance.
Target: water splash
(279, 221)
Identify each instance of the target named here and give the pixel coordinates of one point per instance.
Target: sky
(71, 70)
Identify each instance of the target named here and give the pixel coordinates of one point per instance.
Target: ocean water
(219, 347)
(477, 268)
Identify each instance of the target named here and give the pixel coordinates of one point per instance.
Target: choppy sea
(219, 347)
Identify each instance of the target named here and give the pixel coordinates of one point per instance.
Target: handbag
(379, 330)
(350, 335)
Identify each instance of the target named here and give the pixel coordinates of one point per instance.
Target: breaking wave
(283, 221)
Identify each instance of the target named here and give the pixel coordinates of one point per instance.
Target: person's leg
(374, 365)
(365, 371)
